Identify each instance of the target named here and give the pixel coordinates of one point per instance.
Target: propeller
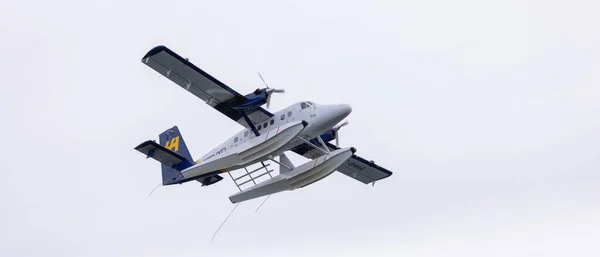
(335, 130)
(270, 91)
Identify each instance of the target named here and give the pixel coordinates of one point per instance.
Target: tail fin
(172, 140)
(174, 156)
(172, 153)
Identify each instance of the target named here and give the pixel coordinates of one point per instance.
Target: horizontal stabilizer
(158, 152)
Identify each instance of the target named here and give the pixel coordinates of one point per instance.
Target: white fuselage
(320, 119)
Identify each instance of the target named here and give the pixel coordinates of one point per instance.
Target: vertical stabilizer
(173, 140)
(174, 157)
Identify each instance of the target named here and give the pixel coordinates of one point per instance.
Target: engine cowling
(328, 136)
(253, 100)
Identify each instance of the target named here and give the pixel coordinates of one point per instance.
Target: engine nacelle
(327, 136)
(253, 100)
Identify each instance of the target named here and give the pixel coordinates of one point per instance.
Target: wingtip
(153, 51)
(138, 147)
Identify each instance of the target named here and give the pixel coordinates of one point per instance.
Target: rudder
(173, 140)
(174, 156)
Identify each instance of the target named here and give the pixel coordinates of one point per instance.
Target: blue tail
(174, 157)
(172, 140)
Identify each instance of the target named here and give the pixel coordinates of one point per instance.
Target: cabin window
(246, 133)
(303, 105)
(265, 125)
(290, 114)
(272, 121)
(282, 116)
(259, 127)
(235, 140)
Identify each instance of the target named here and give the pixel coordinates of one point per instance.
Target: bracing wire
(213, 237)
(262, 203)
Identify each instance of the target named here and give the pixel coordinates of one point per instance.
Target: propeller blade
(335, 131)
(263, 80)
(270, 90)
(338, 127)
(274, 90)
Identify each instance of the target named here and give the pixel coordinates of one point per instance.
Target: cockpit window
(303, 105)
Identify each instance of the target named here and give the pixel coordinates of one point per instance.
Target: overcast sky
(486, 112)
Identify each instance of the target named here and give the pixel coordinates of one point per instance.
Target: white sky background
(486, 112)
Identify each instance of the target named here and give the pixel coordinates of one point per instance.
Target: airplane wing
(355, 167)
(191, 78)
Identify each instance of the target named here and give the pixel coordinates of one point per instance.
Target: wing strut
(280, 164)
(313, 145)
(323, 144)
(250, 124)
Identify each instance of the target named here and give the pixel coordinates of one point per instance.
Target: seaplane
(304, 128)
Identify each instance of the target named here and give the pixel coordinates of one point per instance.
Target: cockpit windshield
(306, 104)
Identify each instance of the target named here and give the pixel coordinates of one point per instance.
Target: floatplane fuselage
(287, 129)
(304, 128)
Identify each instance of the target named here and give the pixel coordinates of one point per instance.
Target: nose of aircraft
(340, 112)
(345, 109)
(330, 115)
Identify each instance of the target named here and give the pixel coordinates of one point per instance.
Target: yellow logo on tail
(173, 144)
